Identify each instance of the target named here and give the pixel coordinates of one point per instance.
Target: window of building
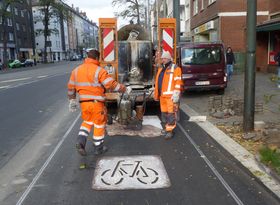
(11, 37)
(24, 28)
(19, 41)
(9, 21)
(195, 7)
(22, 13)
(211, 1)
(16, 11)
(274, 16)
(1, 20)
(9, 8)
(202, 4)
(17, 26)
(58, 44)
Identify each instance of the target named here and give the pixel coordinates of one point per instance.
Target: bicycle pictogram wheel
(108, 179)
(147, 175)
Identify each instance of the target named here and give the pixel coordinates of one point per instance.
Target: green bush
(271, 157)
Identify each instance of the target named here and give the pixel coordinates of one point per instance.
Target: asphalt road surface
(39, 165)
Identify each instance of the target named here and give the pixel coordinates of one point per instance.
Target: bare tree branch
(133, 9)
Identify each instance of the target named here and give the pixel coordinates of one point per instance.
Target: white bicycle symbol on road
(116, 176)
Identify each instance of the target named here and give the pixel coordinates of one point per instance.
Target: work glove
(128, 90)
(176, 96)
(122, 88)
(73, 105)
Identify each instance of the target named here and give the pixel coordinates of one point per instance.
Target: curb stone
(237, 151)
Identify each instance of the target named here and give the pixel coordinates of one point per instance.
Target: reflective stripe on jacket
(172, 80)
(90, 81)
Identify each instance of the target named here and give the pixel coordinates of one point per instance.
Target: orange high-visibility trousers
(94, 115)
(167, 107)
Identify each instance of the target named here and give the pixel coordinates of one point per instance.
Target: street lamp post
(250, 73)
(176, 15)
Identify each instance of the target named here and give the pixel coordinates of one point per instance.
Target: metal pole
(149, 20)
(176, 15)
(249, 81)
(164, 9)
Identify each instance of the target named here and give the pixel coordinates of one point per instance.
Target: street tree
(50, 10)
(5, 14)
(130, 9)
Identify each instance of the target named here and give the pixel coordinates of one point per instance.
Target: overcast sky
(96, 9)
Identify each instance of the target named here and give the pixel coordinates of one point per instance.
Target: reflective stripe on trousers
(167, 107)
(94, 115)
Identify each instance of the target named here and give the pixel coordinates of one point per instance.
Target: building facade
(82, 32)
(164, 9)
(20, 33)
(268, 38)
(71, 37)
(55, 50)
(223, 20)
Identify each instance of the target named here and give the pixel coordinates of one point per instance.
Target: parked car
(27, 62)
(1, 66)
(14, 64)
(203, 66)
(74, 58)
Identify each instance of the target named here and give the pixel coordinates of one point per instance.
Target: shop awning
(269, 27)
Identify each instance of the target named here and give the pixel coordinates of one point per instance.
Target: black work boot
(81, 144)
(169, 135)
(100, 149)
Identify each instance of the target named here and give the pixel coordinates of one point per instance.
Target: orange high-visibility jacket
(90, 81)
(172, 80)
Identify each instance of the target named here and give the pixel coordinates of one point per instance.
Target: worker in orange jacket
(168, 88)
(90, 80)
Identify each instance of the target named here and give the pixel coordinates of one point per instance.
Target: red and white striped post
(108, 44)
(167, 37)
(167, 40)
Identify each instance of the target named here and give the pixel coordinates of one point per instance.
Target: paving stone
(259, 125)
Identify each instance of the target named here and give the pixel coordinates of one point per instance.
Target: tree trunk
(45, 48)
(5, 42)
(138, 12)
(46, 31)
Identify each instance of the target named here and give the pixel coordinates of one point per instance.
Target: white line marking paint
(197, 119)
(214, 170)
(130, 172)
(6, 86)
(14, 80)
(42, 76)
(38, 175)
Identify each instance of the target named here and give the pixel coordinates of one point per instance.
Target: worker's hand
(122, 88)
(73, 105)
(128, 90)
(176, 96)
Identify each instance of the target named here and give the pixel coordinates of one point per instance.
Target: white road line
(6, 86)
(214, 170)
(42, 76)
(35, 179)
(14, 80)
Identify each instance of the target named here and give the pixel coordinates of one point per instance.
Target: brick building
(268, 38)
(224, 20)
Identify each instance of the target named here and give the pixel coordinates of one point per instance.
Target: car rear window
(201, 56)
